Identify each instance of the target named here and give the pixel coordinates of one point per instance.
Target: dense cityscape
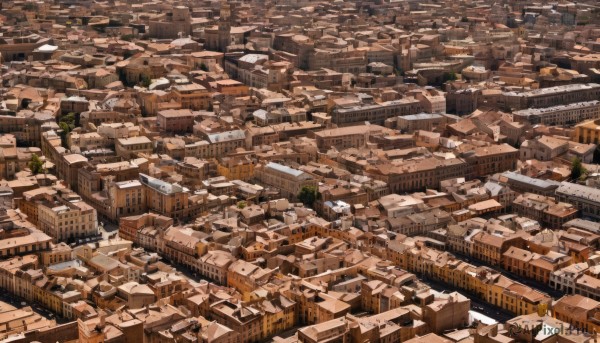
(299, 171)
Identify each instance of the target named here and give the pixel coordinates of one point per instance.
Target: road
(529, 282)
(479, 305)
(19, 302)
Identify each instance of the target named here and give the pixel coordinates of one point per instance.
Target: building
(232, 88)
(564, 278)
(129, 227)
(21, 237)
(214, 265)
(545, 210)
(236, 167)
(585, 199)
(524, 183)
(278, 314)
(492, 159)
(172, 26)
(246, 277)
(336, 330)
(222, 143)
(463, 101)
(131, 147)
(544, 148)
(346, 137)
(222, 35)
(245, 320)
(375, 113)
(551, 96)
(418, 174)
(446, 312)
(588, 286)
(178, 121)
(171, 200)
(421, 121)
(126, 198)
(490, 248)
(587, 132)
(561, 115)
(578, 311)
(288, 181)
(192, 96)
(66, 219)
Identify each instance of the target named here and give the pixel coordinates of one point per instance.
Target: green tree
(146, 81)
(203, 67)
(464, 19)
(241, 204)
(577, 169)
(65, 129)
(308, 195)
(36, 164)
(128, 38)
(69, 119)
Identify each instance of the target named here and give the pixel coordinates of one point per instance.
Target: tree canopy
(36, 164)
(308, 195)
(577, 169)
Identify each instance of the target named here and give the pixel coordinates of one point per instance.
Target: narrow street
(477, 304)
(18, 302)
(526, 281)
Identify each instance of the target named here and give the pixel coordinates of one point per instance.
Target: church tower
(224, 25)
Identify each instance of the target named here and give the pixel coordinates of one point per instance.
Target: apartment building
(214, 265)
(588, 286)
(126, 198)
(171, 200)
(543, 148)
(236, 167)
(559, 115)
(246, 277)
(487, 283)
(490, 247)
(21, 241)
(585, 199)
(579, 311)
(108, 186)
(544, 209)
(245, 320)
(221, 143)
(564, 278)
(232, 88)
(334, 330)
(346, 137)
(181, 245)
(418, 174)
(446, 312)
(463, 101)
(492, 159)
(131, 147)
(587, 132)
(524, 183)
(192, 96)
(67, 219)
(421, 121)
(178, 121)
(375, 113)
(287, 180)
(130, 226)
(552, 96)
